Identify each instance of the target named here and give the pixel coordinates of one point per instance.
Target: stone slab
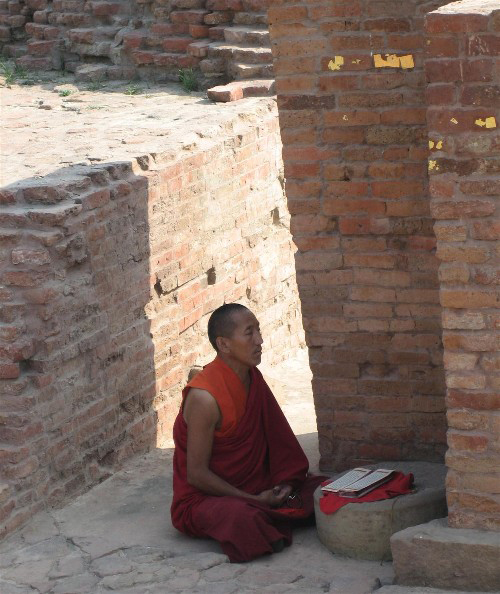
(417, 590)
(363, 531)
(438, 556)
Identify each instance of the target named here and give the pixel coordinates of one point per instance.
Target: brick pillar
(464, 118)
(350, 86)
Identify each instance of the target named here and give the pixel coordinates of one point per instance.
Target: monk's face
(244, 346)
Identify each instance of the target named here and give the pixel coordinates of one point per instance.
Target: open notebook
(358, 482)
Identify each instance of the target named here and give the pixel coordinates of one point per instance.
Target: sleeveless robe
(253, 450)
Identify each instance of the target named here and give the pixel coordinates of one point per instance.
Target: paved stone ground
(55, 123)
(118, 536)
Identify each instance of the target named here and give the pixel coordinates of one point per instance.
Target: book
(358, 482)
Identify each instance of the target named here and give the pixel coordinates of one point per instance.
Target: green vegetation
(65, 93)
(133, 89)
(12, 73)
(96, 85)
(188, 80)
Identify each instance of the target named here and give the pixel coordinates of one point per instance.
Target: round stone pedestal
(363, 530)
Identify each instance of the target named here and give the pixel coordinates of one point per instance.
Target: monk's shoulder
(199, 402)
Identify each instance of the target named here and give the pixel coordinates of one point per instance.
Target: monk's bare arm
(202, 415)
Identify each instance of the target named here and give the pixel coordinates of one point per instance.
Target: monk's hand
(276, 496)
(282, 492)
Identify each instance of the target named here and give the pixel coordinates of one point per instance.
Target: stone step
(199, 48)
(91, 73)
(416, 590)
(43, 48)
(35, 63)
(236, 90)
(169, 59)
(241, 71)
(15, 50)
(248, 35)
(91, 35)
(4, 34)
(187, 4)
(241, 53)
(176, 44)
(250, 18)
(217, 33)
(40, 31)
(458, 559)
(190, 17)
(162, 30)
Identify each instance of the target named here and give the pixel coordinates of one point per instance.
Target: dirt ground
(50, 122)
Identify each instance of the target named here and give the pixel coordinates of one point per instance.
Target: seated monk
(240, 475)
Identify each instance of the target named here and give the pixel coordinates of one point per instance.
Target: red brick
(332, 206)
(458, 210)
(405, 115)
(487, 230)
(340, 9)
(440, 94)
(302, 170)
(344, 136)
(438, 71)
(480, 70)
(442, 47)
(283, 13)
(330, 84)
(455, 23)
(192, 17)
(483, 45)
(387, 25)
(198, 31)
(473, 299)
(9, 370)
(351, 118)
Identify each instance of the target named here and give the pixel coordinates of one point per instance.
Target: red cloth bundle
(400, 484)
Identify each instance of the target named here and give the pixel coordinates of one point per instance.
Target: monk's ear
(222, 344)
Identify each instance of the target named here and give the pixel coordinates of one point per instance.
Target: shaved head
(221, 322)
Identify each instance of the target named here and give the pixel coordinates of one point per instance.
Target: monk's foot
(278, 545)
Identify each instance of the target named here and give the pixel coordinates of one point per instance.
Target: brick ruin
(389, 118)
(108, 276)
(149, 39)
(389, 122)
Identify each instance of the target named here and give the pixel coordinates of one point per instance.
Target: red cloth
(400, 484)
(262, 452)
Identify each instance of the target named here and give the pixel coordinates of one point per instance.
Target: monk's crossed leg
(243, 528)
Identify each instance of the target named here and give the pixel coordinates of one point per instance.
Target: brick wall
(464, 166)
(107, 280)
(350, 81)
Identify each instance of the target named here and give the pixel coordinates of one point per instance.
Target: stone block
(363, 530)
(435, 555)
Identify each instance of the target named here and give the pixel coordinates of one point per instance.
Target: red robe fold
(261, 452)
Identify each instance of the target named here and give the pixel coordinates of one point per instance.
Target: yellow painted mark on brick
(433, 165)
(393, 61)
(437, 145)
(454, 121)
(356, 61)
(336, 63)
(345, 118)
(487, 123)
(407, 61)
